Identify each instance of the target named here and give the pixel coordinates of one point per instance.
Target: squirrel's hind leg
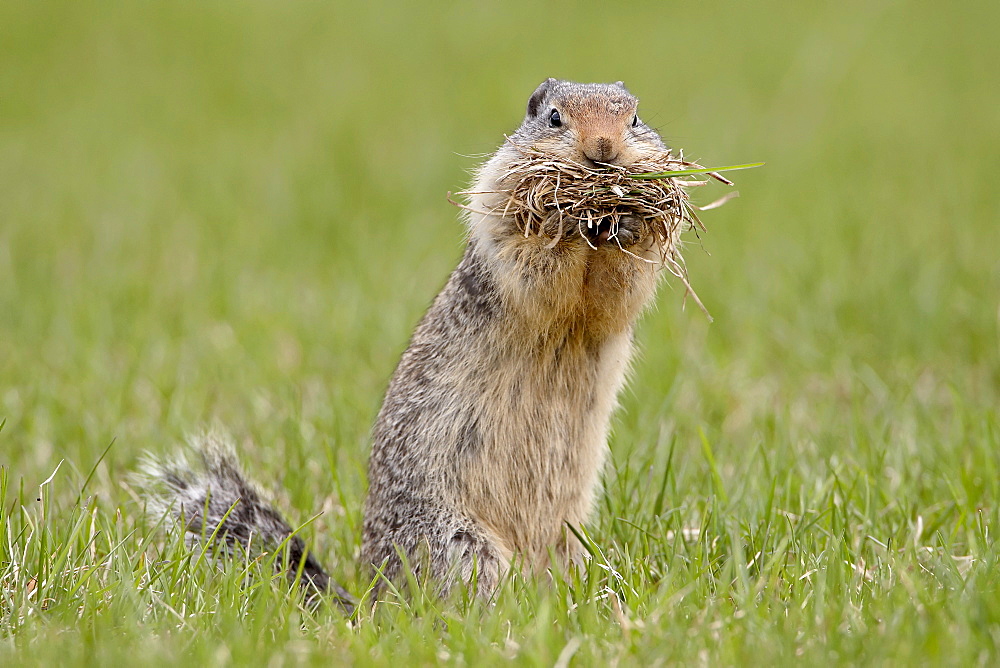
(476, 561)
(440, 549)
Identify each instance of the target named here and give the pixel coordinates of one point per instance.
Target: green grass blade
(687, 172)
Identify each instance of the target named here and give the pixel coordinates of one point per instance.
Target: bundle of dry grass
(553, 197)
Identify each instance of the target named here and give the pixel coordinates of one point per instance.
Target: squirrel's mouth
(602, 165)
(598, 165)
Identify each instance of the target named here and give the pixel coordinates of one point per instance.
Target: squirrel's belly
(542, 424)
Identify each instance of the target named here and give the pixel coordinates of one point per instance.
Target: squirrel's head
(587, 123)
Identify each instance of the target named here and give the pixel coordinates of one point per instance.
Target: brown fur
(494, 429)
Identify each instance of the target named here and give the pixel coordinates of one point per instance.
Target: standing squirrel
(493, 432)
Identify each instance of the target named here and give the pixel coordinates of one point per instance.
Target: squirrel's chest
(541, 424)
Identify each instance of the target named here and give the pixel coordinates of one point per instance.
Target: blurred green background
(235, 212)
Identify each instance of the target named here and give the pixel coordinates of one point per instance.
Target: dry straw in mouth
(552, 197)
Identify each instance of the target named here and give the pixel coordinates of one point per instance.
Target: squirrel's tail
(214, 493)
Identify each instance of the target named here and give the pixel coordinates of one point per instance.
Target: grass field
(235, 213)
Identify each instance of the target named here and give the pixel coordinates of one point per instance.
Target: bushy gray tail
(199, 494)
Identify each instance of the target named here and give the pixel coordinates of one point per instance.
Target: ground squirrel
(493, 432)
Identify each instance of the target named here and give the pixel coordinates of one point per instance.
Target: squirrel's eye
(555, 120)
(635, 121)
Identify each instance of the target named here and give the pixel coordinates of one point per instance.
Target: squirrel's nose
(600, 149)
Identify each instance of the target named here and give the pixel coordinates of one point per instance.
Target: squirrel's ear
(536, 99)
